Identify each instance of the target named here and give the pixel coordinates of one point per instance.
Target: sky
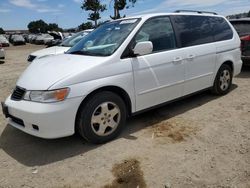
(16, 14)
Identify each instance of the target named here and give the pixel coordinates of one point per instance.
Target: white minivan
(122, 68)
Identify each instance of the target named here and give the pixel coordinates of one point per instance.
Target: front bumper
(53, 120)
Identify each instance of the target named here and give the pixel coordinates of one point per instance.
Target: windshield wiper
(79, 52)
(65, 45)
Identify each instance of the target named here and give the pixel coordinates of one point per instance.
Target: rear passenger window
(221, 29)
(193, 30)
(160, 32)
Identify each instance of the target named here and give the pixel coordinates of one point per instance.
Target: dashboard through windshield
(106, 39)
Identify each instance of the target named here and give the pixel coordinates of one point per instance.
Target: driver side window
(160, 32)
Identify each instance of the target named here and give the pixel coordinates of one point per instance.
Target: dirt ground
(201, 141)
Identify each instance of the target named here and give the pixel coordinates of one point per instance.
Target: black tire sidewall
(86, 110)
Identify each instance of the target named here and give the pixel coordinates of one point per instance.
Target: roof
(146, 16)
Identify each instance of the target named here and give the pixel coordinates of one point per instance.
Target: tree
(54, 27)
(120, 5)
(38, 26)
(95, 7)
(2, 31)
(248, 15)
(84, 26)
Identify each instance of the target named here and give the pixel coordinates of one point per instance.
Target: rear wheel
(223, 80)
(101, 118)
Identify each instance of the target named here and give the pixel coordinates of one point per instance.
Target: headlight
(47, 96)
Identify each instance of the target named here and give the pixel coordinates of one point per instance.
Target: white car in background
(2, 54)
(43, 39)
(3, 41)
(63, 47)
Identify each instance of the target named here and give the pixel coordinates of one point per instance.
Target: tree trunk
(115, 9)
(95, 21)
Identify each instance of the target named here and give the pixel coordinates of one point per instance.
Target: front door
(159, 76)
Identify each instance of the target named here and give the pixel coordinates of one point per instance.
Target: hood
(50, 51)
(45, 72)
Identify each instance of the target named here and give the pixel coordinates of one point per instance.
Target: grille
(18, 93)
(31, 58)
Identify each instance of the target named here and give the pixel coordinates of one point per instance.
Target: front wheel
(223, 80)
(101, 118)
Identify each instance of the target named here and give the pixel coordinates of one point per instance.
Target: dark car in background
(242, 26)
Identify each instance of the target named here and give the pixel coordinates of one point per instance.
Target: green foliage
(40, 26)
(2, 31)
(95, 7)
(248, 15)
(37, 26)
(54, 27)
(120, 5)
(84, 26)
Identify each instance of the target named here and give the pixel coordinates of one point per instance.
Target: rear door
(196, 38)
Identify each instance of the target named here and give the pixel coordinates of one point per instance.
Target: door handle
(177, 60)
(190, 57)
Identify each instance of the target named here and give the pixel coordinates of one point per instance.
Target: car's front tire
(223, 80)
(101, 118)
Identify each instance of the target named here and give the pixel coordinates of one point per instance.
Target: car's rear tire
(223, 80)
(101, 118)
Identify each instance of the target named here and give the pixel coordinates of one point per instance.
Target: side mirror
(143, 48)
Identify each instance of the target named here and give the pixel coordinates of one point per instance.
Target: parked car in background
(67, 35)
(242, 26)
(58, 38)
(26, 37)
(2, 53)
(44, 39)
(122, 68)
(31, 38)
(3, 41)
(59, 49)
(17, 40)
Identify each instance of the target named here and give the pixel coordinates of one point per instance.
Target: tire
(101, 118)
(223, 80)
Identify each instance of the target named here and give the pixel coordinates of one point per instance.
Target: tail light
(244, 41)
(245, 38)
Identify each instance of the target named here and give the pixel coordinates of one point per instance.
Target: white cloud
(236, 10)
(23, 3)
(4, 10)
(43, 10)
(199, 3)
(60, 5)
(39, 6)
(224, 7)
(78, 1)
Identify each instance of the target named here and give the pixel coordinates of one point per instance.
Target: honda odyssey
(122, 68)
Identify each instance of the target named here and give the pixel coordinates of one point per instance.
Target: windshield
(242, 27)
(74, 39)
(106, 39)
